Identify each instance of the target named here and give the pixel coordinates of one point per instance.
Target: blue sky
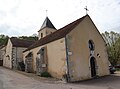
(25, 17)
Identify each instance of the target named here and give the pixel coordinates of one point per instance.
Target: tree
(112, 40)
(33, 38)
(3, 39)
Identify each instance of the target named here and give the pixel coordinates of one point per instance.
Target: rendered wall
(7, 62)
(79, 58)
(57, 58)
(46, 31)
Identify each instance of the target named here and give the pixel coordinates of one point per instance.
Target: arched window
(91, 45)
(30, 54)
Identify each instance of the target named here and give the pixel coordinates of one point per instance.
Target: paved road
(107, 82)
(13, 80)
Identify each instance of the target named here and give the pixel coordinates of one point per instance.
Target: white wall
(79, 61)
(7, 62)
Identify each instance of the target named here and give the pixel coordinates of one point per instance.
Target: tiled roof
(56, 35)
(47, 23)
(20, 42)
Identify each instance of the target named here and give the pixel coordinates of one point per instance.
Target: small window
(41, 35)
(91, 45)
(42, 49)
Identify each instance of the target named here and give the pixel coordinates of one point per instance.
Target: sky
(25, 17)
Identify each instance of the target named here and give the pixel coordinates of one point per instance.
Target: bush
(117, 69)
(45, 74)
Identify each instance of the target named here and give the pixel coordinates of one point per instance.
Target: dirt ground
(10, 79)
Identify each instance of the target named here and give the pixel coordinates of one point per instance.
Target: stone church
(74, 52)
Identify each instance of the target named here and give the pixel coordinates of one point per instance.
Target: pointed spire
(47, 23)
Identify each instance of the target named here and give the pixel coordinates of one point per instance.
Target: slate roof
(56, 35)
(20, 42)
(47, 23)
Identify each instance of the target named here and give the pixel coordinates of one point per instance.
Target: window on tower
(41, 35)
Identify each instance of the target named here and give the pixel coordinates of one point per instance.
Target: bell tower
(46, 28)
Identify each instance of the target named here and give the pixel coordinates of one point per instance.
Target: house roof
(20, 42)
(47, 23)
(62, 32)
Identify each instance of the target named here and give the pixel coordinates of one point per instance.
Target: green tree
(112, 40)
(33, 38)
(3, 39)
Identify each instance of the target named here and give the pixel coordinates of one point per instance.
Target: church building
(74, 52)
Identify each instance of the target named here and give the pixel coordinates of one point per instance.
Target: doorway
(93, 66)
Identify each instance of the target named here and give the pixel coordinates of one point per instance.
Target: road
(108, 82)
(10, 79)
(13, 80)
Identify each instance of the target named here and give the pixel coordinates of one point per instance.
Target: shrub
(45, 74)
(117, 69)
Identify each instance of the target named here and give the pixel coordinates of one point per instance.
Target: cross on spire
(86, 10)
(46, 12)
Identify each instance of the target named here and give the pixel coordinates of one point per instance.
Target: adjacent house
(2, 53)
(13, 53)
(75, 52)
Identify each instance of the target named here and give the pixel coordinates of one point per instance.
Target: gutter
(67, 58)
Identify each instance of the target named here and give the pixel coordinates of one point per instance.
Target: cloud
(5, 29)
(25, 17)
(105, 13)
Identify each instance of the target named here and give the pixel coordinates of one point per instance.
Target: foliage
(112, 40)
(45, 74)
(117, 69)
(33, 38)
(3, 39)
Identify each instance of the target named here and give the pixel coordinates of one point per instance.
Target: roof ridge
(21, 39)
(57, 34)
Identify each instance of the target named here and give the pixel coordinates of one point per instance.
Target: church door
(93, 65)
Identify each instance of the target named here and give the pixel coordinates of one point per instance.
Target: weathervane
(86, 10)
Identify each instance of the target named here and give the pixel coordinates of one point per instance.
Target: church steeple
(46, 28)
(47, 23)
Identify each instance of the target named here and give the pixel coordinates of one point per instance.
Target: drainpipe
(16, 59)
(67, 58)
